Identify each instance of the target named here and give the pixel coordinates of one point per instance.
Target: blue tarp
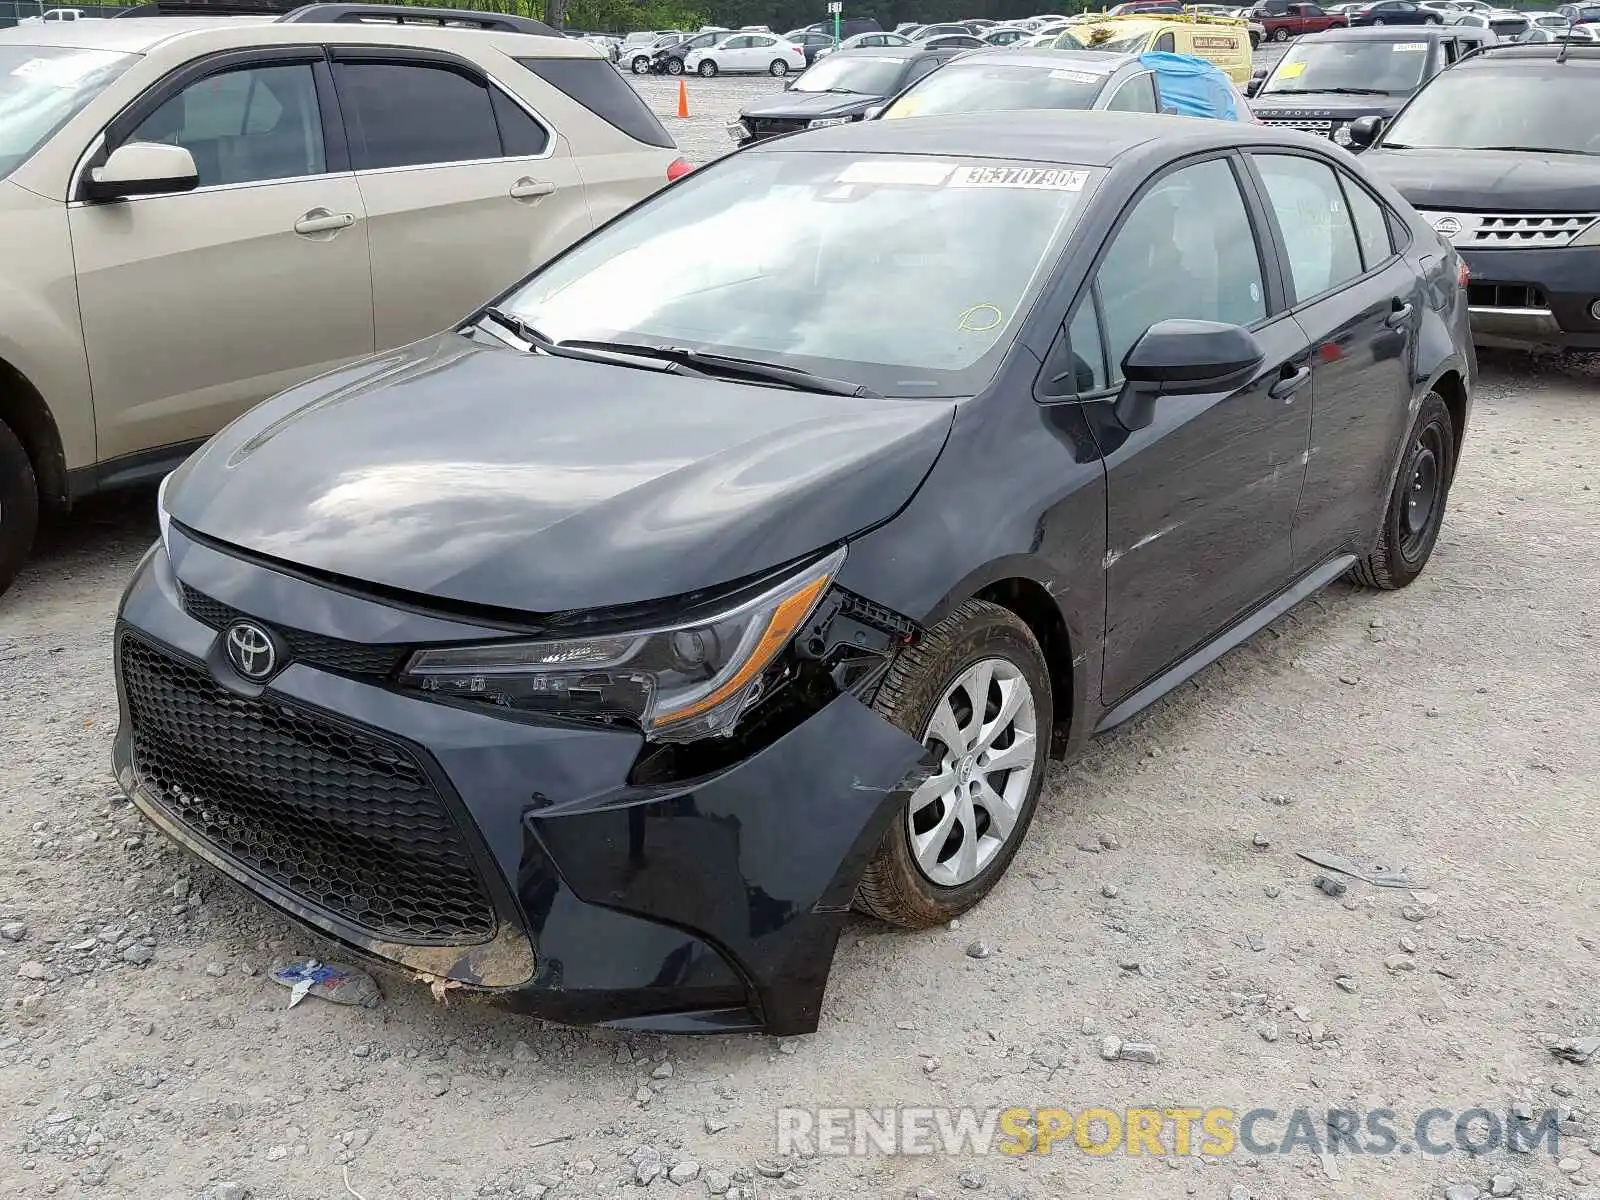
(1193, 87)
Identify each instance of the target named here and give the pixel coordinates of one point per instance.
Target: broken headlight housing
(677, 683)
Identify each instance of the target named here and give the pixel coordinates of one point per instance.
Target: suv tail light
(678, 168)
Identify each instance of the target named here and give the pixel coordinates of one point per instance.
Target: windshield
(1524, 109)
(41, 87)
(905, 274)
(1128, 45)
(1392, 67)
(961, 88)
(866, 75)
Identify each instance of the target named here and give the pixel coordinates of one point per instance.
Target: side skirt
(1230, 637)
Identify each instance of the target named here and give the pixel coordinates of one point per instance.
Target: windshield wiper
(1337, 91)
(1529, 149)
(730, 367)
(546, 345)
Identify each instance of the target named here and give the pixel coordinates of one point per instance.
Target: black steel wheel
(1415, 513)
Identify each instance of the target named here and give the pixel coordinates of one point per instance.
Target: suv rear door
(465, 188)
(199, 304)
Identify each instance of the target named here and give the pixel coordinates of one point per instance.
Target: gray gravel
(144, 1053)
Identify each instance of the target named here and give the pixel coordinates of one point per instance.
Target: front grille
(1511, 231)
(765, 127)
(347, 822)
(1325, 128)
(313, 649)
(1506, 295)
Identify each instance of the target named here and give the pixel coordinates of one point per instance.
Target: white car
(1006, 35)
(749, 54)
(865, 41)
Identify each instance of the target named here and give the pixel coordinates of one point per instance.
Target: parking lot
(1446, 729)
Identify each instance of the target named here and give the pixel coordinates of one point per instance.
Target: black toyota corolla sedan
(600, 654)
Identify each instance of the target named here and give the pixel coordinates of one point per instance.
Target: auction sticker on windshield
(897, 171)
(1054, 179)
(1410, 47)
(1076, 76)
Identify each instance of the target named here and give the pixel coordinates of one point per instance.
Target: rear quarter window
(596, 84)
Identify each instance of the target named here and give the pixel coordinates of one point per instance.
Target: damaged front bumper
(710, 904)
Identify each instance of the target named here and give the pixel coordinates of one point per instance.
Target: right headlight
(677, 683)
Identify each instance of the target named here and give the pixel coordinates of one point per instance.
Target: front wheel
(976, 692)
(674, 66)
(640, 64)
(19, 506)
(708, 68)
(1416, 507)
(1280, 35)
(778, 68)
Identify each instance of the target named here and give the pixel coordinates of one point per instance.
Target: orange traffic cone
(683, 98)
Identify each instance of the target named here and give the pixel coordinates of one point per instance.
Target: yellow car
(1224, 41)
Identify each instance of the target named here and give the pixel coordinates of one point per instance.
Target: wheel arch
(1021, 585)
(1452, 390)
(23, 410)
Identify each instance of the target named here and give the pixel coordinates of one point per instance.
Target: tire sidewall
(778, 69)
(19, 506)
(990, 638)
(1402, 569)
(708, 69)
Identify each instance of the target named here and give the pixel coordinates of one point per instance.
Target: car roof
(1050, 58)
(141, 35)
(1071, 137)
(915, 50)
(1397, 33)
(1575, 52)
(130, 37)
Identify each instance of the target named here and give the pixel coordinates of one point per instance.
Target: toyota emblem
(1447, 226)
(252, 651)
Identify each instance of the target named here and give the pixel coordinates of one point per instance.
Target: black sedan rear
(601, 654)
(838, 89)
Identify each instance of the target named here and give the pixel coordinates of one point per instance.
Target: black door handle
(1289, 384)
(1400, 315)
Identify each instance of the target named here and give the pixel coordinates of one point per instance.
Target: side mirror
(1254, 86)
(1184, 358)
(1364, 131)
(143, 169)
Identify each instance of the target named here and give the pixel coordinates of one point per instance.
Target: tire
(1280, 35)
(922, 683)
(778, 69)
(1379, 21)
(1255, 42)
(1407, 538)
(640, 64)
(674, 66)
(708, 68)
(19, 506)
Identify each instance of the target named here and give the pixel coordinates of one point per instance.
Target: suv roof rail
(408, 14)
(346, 14)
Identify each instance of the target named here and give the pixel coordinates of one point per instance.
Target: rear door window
(1137, 94)
(407, 114)
(1315, 221)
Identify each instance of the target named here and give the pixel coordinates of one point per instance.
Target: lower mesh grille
(345, 821)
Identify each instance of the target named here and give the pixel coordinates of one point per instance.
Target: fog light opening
(1594, 310)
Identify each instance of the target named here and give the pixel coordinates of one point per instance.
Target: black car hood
(795, 105)
(1325, 106)
(1489, 180)
(460, 470)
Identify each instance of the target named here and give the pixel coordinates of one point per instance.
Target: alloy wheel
(708, 68)
(985, 730)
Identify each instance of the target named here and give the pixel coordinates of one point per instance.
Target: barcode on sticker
(1053, 179)
(1074, 76)
(1410, 47)
(897, 171)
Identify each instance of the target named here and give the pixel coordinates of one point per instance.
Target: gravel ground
(1448, 728)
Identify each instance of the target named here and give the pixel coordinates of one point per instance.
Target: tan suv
(203, 210)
